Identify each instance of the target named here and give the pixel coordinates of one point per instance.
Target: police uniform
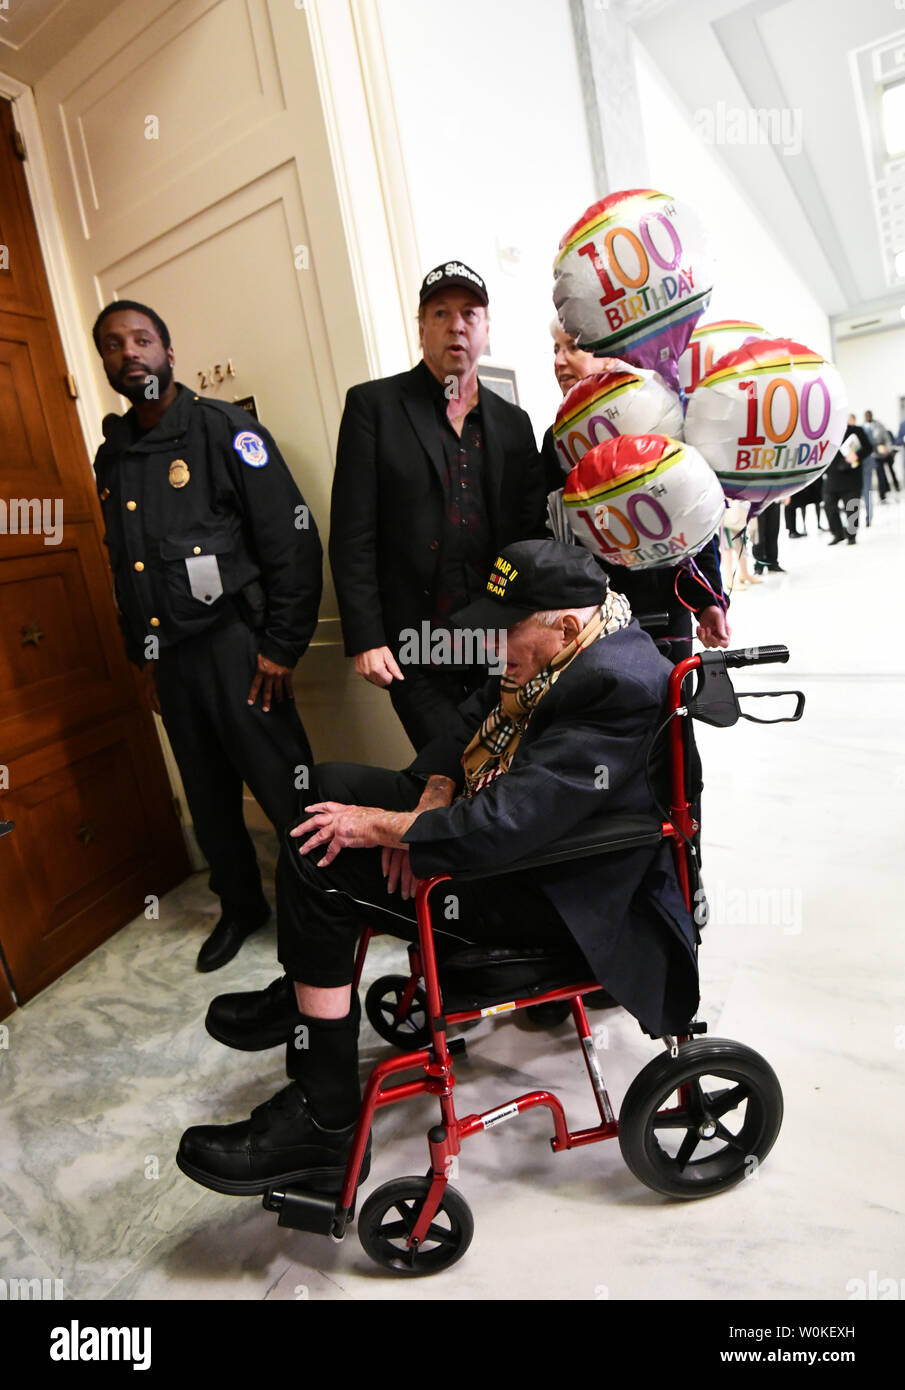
(215, 558)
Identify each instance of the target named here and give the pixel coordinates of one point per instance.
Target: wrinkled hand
(272, 681)
(396, 868)
(350, 827)
(378, 666)
(713, 630)
(149, 685)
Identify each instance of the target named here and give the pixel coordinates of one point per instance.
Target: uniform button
(427, 593)
(155, 622)
(196, 550)
(138, 566)
(131, 506)
(435, 545)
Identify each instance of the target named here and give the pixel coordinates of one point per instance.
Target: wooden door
(81, 770)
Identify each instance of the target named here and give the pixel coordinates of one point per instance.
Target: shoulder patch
(250, 448)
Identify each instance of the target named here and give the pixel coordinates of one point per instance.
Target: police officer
(217, 570)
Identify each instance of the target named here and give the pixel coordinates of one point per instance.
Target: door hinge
(71, 386)
(19, 145)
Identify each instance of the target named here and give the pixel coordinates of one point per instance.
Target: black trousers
(219, 742)
(322, 911)
(848, 498)
(766, 547)
(427, 700)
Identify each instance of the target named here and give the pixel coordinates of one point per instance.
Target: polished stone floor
(804, 960)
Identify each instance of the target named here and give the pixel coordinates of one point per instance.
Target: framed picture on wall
(499, 379)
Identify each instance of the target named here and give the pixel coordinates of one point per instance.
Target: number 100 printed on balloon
(632, 278)
(768, 419)
(643, 501)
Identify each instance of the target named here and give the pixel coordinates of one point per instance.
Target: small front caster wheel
(389, 1215)
(382, 1001)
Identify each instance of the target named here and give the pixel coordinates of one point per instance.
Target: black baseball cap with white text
(452, 274)
(534, 577)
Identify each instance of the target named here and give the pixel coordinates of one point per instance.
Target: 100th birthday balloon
(643, 501)
(711, 341)
(620, 400)
(632, 277)
(768, 419)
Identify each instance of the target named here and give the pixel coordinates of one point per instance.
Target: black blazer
(624, 909)
(387, 508)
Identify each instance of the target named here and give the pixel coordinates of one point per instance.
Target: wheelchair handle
(753, 656)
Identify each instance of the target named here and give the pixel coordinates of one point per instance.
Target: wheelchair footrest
(304, 1211)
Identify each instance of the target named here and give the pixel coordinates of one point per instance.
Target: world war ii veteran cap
(452, 274)
(532, 577)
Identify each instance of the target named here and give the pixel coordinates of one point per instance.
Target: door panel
(81, 769)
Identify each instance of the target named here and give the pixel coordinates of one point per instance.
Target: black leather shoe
(225, 940)
(255, 1020)
(281, 1143)
(838, 541)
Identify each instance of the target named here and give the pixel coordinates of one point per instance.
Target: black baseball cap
(532, 577)
(452, 273)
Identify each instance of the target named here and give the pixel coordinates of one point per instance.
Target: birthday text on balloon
(761, 411)
(619, 244)
(619, 533)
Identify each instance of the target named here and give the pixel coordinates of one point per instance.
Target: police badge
(179, 473)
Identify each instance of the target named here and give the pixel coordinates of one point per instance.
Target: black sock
(322, 1057)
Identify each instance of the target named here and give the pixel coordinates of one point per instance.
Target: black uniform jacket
(184, 490)
(388, 502)
(653, 590)
(583, 753)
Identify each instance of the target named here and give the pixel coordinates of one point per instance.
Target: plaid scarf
(493, 747)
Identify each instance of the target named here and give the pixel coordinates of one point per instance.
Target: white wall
(873, 369)
(754, 278)
(496, 149)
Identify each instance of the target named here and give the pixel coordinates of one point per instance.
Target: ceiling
(818, 174)
(813, 67)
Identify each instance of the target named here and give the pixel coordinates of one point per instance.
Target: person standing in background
(217, 572)
(884, 454)
(434, 475)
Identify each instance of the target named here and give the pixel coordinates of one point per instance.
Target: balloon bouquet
(686, 418)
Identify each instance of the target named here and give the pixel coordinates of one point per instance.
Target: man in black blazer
(564, 736)
(434, 475)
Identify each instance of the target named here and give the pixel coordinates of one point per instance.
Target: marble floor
(804, 960)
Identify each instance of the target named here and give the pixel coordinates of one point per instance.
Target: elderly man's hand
(713, 629)
(378, 666)
(350, 827)
(396, 868)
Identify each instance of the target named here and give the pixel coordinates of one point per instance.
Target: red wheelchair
(694, 1121)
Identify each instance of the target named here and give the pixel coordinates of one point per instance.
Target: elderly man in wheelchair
(567, 743)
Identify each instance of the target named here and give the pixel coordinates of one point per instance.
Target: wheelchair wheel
(713, 1134)
(381, 1004)
(390, 1214)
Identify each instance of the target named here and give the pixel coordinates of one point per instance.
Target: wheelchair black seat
(477, 977)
